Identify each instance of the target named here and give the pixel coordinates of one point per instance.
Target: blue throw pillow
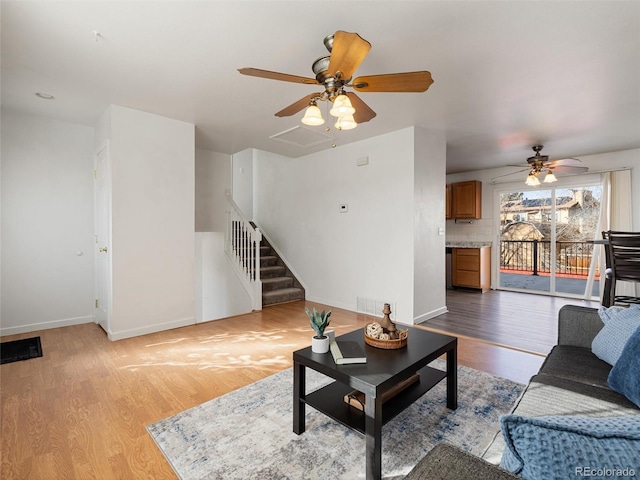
(556, 447)
(619, 325)
(624, 377)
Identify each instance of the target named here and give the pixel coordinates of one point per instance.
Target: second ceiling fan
(334, 72)
(540, 164)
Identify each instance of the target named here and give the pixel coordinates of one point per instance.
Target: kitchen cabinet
(466, 199)
(471, 268)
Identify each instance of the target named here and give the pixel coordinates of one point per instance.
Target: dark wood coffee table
(383, 370)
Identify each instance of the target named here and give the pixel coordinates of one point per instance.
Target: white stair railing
(242, 247)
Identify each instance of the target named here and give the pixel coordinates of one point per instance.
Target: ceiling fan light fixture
(313, 116)
(532, 180)
(342, 106)
(550, 177)
(346, 122)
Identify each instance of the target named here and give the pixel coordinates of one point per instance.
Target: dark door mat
(20, 350)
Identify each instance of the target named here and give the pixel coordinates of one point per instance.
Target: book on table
(357, 399)
(346, 352)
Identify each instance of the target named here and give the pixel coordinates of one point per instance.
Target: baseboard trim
(419, 319)
(160, 327)
(34, 327)
(351, 308)
(429, 315)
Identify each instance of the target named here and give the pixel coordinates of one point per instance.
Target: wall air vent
(373, 307)
(302, 137)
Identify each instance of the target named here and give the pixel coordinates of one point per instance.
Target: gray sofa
(572, 381)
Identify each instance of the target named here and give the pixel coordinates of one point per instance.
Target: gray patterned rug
(248, 433)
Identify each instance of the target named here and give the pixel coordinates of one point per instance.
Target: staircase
(264, 275)
(278, 283)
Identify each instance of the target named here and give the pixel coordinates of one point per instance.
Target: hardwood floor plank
(80, 411)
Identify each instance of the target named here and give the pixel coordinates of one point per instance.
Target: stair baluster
(242, 246)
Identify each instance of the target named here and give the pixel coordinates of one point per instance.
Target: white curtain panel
(620, 216)
(598, 257)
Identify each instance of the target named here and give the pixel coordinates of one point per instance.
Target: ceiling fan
(539, 164)
(334, 72)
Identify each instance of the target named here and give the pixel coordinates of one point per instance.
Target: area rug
(248, 433)
(17, 350)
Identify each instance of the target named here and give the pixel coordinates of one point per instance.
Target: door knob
(103, 249)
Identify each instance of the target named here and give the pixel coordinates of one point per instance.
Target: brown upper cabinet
(465, 200)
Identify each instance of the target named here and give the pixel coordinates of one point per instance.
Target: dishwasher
(448, 253)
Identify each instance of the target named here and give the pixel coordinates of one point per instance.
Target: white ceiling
(507, 74)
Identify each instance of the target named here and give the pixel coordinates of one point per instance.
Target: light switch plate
(343, 208)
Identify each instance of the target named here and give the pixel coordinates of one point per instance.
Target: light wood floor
(80, 411)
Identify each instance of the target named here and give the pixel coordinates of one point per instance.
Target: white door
(103, 237)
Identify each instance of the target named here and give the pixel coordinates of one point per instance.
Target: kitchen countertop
(467, 244)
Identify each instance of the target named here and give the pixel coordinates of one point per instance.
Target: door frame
(103, 222)
(563, 183)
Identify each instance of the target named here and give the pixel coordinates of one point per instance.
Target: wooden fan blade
(347, 53)
(571, 170)
(564, 162)
(394, 82)
(296, 106)
(285, 77)
(363, 111)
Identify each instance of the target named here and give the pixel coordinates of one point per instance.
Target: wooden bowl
(387, 344)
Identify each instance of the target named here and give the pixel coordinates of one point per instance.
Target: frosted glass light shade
(346, 122)
(342, 106)
(313, 116)
(550, 178)
(532, 180)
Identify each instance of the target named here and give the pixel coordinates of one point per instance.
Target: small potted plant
(319, 321)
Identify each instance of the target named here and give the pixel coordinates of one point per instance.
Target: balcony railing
(534, 256)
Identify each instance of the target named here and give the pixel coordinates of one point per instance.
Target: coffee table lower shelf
(329, 400)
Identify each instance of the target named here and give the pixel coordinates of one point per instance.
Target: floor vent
(374, 307)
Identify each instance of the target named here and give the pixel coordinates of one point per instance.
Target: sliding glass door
(545, 239)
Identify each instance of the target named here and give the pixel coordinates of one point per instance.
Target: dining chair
(623, 264)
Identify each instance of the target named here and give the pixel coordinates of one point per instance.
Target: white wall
(213, 179)
(242, 181)
(219, 291)
(367, 252)
(47, 223)
(153, 205)
(430, 154)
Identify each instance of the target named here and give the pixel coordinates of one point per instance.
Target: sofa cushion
(549, 395)
(619, 325)
(559, 447)
(625, 375)
(578, 364)
(578, 326)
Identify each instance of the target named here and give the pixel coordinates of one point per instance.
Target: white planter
(320, 345)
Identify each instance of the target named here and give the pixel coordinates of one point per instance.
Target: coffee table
(384, 369)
